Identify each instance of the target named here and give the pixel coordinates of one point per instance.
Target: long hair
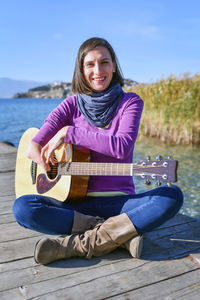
(79, 84)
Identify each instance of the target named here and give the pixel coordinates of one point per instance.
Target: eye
(89, 65)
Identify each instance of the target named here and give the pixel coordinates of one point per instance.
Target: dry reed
(171, 109)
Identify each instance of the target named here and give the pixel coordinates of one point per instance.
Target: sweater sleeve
(57, 119)
(119, 145)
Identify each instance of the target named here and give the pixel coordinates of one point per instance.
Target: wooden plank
(5, 148)
(18, 265)
(7, 218)
(75, 263)
(13, 231)
(7, 162)
(7, 183)
(7, 157)
(19, 249)
(114, 278)
(172, 242)
(184, 286)
(6, 207)
(6, 214)
(177, 220)
(38, 273)
(6, 198)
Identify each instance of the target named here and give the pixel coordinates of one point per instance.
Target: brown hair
(79, 84)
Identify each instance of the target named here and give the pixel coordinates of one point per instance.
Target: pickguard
(44, 185)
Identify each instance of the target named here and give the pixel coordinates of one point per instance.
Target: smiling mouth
(99, 79)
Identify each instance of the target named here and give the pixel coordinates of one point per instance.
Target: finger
(46, 154)
(52, 159)
(47, 167)
(43, 154)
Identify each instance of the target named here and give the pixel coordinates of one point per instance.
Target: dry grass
(171, 109)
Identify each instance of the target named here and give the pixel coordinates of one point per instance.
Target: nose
(97, 68)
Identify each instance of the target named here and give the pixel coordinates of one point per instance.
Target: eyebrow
(104, 58)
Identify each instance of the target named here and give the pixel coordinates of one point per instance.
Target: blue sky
(39, 39)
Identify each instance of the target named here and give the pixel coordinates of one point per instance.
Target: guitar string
(76, 168)
(101, 165)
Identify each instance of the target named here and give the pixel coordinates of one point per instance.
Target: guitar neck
(152, 170)
(95, 169)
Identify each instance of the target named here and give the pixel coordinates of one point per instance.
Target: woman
(104, 119)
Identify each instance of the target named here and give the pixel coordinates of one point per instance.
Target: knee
(178, 195)
(173, 199)
(22, 209)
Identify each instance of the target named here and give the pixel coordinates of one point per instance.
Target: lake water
(17, 115)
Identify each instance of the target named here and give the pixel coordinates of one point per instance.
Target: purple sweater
(112, 144)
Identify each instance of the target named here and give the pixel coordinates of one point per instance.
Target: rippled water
(188, 170)
(16, 115)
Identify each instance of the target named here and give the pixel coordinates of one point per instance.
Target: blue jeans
(146, 210)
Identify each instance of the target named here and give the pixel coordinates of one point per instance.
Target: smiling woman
(104, 119)
(95, 53)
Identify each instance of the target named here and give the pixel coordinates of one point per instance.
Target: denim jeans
(146, 210)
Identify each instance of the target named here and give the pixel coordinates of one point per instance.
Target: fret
(117, 169)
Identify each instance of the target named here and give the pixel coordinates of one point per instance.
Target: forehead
(98, 53)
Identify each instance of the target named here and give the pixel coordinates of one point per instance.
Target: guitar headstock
(159, 170)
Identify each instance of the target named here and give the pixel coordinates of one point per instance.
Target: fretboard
(95, 169)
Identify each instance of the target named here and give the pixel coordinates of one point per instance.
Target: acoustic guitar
(68, 179)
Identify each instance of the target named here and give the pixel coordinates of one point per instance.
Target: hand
(47, 152)
(34, 153)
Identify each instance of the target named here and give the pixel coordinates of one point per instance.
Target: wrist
(63, 132)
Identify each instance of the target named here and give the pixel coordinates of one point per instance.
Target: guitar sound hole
(52, 174)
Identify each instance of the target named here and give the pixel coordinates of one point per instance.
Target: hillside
(58, 90)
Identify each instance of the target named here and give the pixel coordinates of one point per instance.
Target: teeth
(98, 79)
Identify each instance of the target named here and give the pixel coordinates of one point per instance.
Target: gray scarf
(100, 108)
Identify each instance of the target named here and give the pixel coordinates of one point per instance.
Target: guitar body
(31, 178)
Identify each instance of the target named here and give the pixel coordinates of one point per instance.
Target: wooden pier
(168, 269)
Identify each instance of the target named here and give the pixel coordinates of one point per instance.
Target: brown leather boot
(83, 222)
(102, 239)
(134, 246)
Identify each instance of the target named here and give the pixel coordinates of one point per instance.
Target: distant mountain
(9, 87)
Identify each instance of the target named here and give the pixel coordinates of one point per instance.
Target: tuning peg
(147, 182)
(148, 157)
(169, 157)
(159, 157)
(158, 183)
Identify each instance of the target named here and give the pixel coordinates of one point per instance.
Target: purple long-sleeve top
(112, 144)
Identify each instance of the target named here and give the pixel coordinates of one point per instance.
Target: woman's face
(98, 68)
